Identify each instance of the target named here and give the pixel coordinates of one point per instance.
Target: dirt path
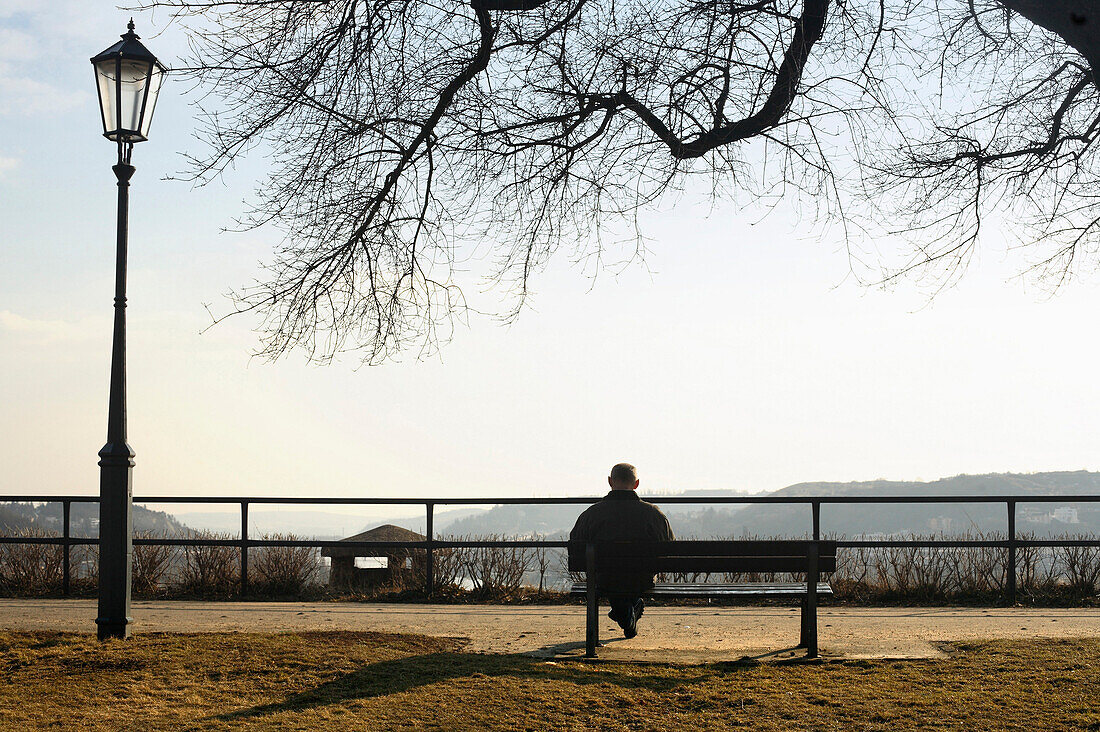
(687, 634)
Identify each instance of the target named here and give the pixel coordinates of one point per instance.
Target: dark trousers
(621, 605)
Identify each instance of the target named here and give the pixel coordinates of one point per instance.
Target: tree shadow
(562, 651)
(791, 656)
(403, 674)
(567, 652)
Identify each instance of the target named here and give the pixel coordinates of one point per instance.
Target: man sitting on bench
(622, 516)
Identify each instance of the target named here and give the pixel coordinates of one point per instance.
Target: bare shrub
(495, 571)
(448, 566)
(893, 568)
(285, 570)
(961, 576)
(988, 568)
(563, 569)
(407, 568)
(542, 558)
(947, 573)
(210, 569)
(852, 578)
(1081, 566)
(31, 569)
(151, 564)
(84, 563)
(922, 573)
(1036, 569)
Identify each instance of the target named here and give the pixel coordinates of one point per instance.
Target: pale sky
(745, 359)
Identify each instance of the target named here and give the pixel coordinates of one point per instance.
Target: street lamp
(128, 78)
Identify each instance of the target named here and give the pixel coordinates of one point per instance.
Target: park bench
(614, 558)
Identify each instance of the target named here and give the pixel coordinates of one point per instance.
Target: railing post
(1010, 570)
(429, 563)
(66, 507)
(816, 506)
(244, 547)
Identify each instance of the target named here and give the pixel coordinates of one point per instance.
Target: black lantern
(128, 78)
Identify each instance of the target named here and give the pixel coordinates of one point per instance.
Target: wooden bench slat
(703, 564)
(711, 548)
(736, 564)
(786, 589)
(705, 556)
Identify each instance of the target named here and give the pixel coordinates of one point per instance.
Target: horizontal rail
(318, 543)
(533, 544)
(299, 500)
(430, 544)
(947, 543)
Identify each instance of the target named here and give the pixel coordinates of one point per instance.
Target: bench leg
(592, 614)
(804, 622)
(808, 634)
(809, 620)
(591, 624)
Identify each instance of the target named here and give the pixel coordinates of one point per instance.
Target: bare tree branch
(418, 150)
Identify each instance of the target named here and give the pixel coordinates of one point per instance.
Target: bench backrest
(704, 556)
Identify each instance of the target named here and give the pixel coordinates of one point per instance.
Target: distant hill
(947, 518)
(316, 524)
(12, 520)
(83, 521)
(555, 520)
(693, 521)
(688, 520)
(514, 520)
(303, 523)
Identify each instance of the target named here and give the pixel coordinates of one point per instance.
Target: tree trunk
(1077, 22)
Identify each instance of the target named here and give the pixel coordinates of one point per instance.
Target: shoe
(630, 627)
(614, 616)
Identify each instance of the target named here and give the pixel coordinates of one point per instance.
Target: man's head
(624, 477)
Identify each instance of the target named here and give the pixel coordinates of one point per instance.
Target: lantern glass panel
(156, 76)
(104, 74)
(122, 88)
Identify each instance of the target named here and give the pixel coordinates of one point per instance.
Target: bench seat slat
(704, 564)
(752, 589)
(714, 548)
(731, 564)
(705, 556)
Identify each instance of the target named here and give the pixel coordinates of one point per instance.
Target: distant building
(1066, 515)
(1035, 515)
(941, 524)
(361, 568)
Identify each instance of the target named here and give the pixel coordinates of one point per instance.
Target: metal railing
(430, 544)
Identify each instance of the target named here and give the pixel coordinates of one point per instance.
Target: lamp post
(128, 78)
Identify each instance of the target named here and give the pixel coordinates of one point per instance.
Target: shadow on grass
(570, 652)
(404, 674)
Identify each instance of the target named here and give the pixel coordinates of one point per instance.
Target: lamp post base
(113, 627)
(115, 542)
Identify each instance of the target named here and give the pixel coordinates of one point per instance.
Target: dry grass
(371, 681)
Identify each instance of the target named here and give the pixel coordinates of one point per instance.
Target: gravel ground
(679, 634)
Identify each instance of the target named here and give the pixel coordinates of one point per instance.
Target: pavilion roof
(385, 532)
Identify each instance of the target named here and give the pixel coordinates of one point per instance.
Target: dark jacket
(622, 516)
